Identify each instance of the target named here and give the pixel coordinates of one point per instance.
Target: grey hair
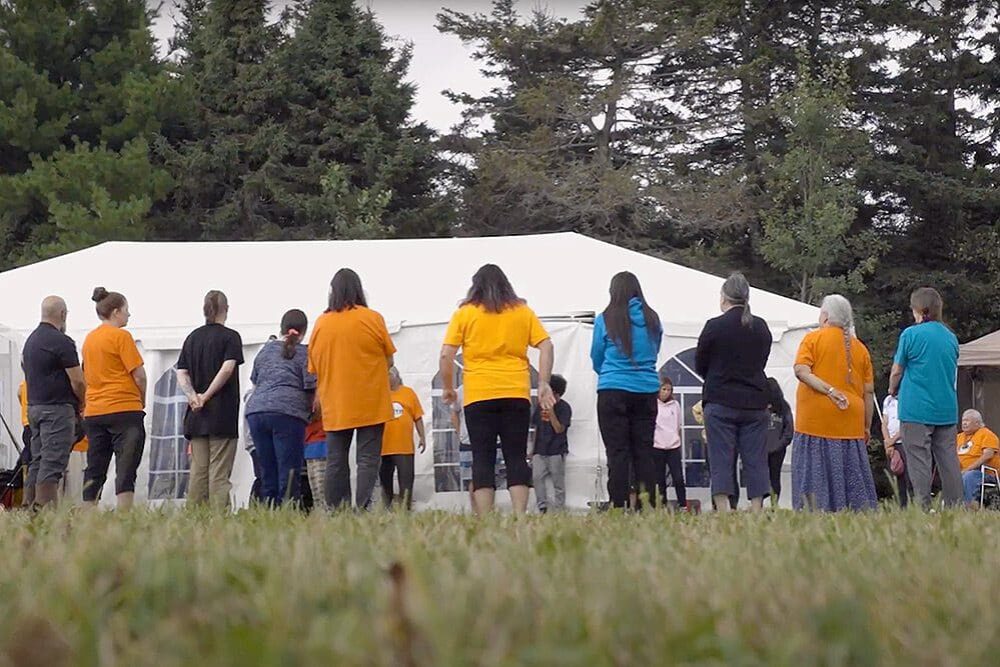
(839, 313)
(394, 376)
(736, 292)
(976, 414)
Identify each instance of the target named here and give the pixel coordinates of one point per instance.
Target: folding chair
(988, 483)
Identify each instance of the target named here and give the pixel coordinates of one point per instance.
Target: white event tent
(416, 285)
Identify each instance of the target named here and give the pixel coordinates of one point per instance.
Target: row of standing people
(343, 375)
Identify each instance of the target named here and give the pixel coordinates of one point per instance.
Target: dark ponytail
(107, 302)
(293, 329)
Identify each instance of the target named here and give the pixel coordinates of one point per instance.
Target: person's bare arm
(557, 425)
(981, 461)
(219, 381)
(78, 383)
(456, 422)
(547, 357)
(805, 376)
(139, 376)
(184, 382)
(421, 435)
(447, 368)
(895, 377)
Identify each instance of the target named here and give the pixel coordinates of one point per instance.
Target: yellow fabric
(495, 350)
(347, 353)
(970, 448)
(22, 397)
(823, 351)
(398, 435)
(109, 357)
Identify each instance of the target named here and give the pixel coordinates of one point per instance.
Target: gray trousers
(53, 431)
(924, 445)
(549, 468)
(338, 466)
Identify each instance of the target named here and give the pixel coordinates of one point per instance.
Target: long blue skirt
(835, 474)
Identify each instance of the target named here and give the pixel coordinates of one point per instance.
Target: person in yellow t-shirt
(397, 441)
(833, 414)
(350, 354)
(494, 328)
(977, 446)
(113, 415)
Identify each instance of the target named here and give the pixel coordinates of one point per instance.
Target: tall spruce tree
(81, 93)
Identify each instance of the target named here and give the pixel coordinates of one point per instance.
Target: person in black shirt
(732, 352)
(56, 391)
(207, 374)
(550, 448)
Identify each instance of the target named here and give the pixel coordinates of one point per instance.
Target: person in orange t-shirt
(116, 400)
(977, 446)
(834, 408)
(350, 354)
(397, 441)
(494, 328)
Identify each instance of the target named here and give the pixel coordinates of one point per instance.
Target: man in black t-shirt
(550, 447)
(56, 391)
(207, 374)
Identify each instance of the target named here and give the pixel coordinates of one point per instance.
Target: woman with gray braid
(834, 408)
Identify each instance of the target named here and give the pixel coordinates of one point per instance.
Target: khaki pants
(211, 467)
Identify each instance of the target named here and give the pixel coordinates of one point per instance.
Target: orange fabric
(315, 432)
(82, 446)
(22, 397)
(348, 354)
(970, 448)
(406, 410)
(109, 357)
(495, 351)
(815, 414)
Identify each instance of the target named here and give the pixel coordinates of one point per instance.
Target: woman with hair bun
(207, 374)
(280, 407)
(115, 401)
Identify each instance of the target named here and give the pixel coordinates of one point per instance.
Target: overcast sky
(440, 62)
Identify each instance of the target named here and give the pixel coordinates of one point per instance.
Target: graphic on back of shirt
(397, 410)
(965, 447)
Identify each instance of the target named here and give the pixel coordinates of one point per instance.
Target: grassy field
(266, 588)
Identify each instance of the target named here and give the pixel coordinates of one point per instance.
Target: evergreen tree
(81, 93)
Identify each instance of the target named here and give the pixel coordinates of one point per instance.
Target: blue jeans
(972, 482)
(279, 440)
(732, 431)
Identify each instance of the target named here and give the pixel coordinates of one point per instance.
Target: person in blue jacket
(626, 343)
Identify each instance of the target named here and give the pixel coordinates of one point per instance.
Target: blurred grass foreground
(280, 588)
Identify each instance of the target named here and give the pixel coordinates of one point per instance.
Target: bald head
(54, 312)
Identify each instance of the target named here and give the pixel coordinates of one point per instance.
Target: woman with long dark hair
(627, 337)
(350, 353)
(280, 408)
(780, 429)
(494, 328)
(732, 352)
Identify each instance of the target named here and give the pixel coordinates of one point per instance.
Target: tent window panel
(696, 475)
(162, 486)
(168, 457)
(447, 478)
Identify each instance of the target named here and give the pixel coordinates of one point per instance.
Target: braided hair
(840, 314)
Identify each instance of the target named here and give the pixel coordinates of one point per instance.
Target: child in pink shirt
(667, 444)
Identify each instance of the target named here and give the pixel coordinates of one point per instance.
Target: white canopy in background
(415, 284)
(979, 377)
(983, 351)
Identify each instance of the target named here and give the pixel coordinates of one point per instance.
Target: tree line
(847, 145)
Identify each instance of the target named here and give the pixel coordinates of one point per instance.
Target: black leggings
(627, 421)
(774, 462)
(662, 460)
(390, 464)
(507, 419)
